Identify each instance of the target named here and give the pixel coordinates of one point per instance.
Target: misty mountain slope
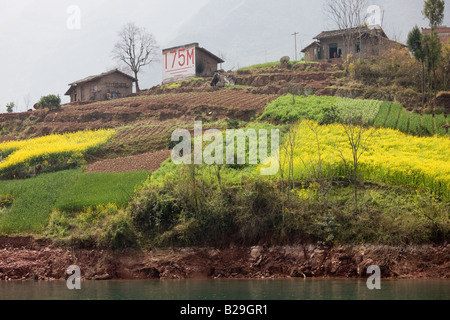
(246, 32)
(251, 31)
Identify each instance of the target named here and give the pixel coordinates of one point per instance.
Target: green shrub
(152, 212)
(104, 226)
(118, 232)
(10, 107)
(50, 102)
(256, 210)
(261, 212)
(330, 115)
(6, 201)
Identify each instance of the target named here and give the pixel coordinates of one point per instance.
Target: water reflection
(289, 289)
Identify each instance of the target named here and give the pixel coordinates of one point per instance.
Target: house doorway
(333, 50)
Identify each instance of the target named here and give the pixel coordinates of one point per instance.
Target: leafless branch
(136, 48)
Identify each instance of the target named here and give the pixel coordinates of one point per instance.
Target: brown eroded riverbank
(24, 258)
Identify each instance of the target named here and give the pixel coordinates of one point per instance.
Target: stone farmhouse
(106, 86)
(188, 61)
(368, 41)
(443, 33)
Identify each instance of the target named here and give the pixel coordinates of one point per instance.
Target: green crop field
(428, 123)
(439, 121)
(323, 109)
(403, 121)
(414, 123)
(92, 189)
(392, 119)
(380, 119)
(33, 200)
(327, 110)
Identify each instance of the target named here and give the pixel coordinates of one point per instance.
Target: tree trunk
(137, 82)
(423, 84)
(355, 180)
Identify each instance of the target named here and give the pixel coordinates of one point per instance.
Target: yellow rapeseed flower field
(389, 156)
(42, 149)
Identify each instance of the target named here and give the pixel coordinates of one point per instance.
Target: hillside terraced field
(209, 105)
(228, 99)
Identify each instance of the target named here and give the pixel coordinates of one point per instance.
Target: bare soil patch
(150, 161)
(443, 100)
(7, 139)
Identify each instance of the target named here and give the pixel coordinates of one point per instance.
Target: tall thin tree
(415, 45)
(434, 11)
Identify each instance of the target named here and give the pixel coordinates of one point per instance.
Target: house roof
(336, 33)
(69, 92)
(442, 31)
(96, 77)
(315, 43)
(213, 56)
(197, 46)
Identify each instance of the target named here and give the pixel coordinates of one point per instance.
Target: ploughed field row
(138, 138)
(143, 137)
(148, 104)
(209, 105)
(149, 161)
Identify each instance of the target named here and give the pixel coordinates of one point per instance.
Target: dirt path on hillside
(145, 162)
(28, 259)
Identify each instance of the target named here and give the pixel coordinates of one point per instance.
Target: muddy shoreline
(24, 258)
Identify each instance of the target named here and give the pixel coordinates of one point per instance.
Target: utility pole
(295, 35)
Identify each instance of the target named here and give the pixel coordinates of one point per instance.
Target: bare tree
(348, 16)
(27, 101)
(288, 186)
(136, 48)
(359, 136)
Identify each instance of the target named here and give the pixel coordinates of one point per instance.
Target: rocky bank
(24, 258)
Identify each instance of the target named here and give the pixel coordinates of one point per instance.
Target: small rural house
(188, 61)
(443, 33)
(368, 41)
(106, 86)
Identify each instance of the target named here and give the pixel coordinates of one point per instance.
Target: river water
(285, 289)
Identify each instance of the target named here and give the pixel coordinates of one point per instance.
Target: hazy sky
(40, 55)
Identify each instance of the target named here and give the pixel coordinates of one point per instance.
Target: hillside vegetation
(393, 187)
